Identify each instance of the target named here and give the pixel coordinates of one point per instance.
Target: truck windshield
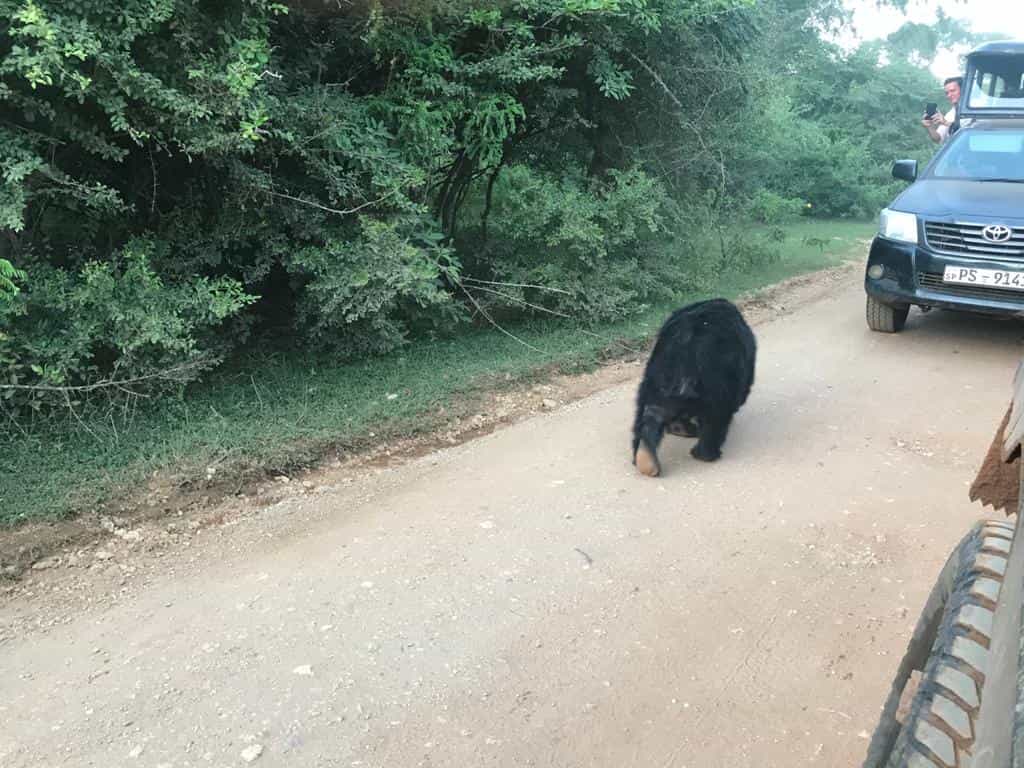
(984, 156)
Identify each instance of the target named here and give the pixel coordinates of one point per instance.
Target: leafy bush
(111, 322)
(364, 295)
(8, 275)
(594, 250)
(769, 207)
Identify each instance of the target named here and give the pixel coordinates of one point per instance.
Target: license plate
(994, 278)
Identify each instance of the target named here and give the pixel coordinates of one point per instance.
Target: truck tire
(884, 318)
(950, 646)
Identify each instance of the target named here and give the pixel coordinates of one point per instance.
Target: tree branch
(336, 211)
(173, 374)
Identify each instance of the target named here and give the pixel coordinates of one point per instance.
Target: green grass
(281, 412)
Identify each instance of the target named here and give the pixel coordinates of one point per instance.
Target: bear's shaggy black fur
(699, 374)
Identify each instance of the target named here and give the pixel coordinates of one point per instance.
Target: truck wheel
(884, 318)
(950, 646)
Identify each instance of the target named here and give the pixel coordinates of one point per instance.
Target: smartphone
(930, 108)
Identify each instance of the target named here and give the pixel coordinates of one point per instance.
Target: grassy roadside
(282, 412)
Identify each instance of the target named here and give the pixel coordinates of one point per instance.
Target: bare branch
(675, 100)
(491, 320)
(337, 211)
(152, 165)
(514, 285)
(657, 78)
(584, 331)
(522, 302)
(71, 407)
(170, 374)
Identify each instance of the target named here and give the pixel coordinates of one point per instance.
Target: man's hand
(931, 124)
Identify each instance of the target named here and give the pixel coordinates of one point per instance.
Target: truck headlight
(896, 225)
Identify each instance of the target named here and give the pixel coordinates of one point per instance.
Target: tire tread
(940, 730)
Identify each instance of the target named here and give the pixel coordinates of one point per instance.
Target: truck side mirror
(906, 170)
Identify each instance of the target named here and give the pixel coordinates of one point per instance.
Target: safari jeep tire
(962, 696)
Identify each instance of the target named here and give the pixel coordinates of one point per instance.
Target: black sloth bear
(699, 374)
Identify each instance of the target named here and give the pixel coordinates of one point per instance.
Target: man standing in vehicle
(939, 126)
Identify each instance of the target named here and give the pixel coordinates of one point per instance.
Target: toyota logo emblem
(996, 233)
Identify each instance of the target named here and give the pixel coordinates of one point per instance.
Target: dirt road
(527, 599)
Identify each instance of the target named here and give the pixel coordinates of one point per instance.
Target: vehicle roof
(1005, 47)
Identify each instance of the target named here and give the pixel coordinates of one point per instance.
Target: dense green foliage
(183, 177)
